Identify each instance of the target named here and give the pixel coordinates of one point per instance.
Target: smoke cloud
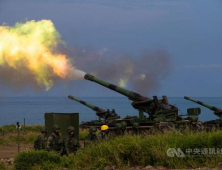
(32, 54)
(29, 56)
(143, 73)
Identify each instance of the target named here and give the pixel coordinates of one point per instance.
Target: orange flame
(33, 45)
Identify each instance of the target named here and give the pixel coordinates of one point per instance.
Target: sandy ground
(11, 150)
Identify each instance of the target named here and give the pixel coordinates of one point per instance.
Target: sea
(32, 109)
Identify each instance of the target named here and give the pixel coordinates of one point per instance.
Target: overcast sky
(190, 32)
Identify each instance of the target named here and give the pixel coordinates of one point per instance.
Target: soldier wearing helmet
(71, 144)
(104, 133)
(92, 137)
(40, 142)
(54, 142)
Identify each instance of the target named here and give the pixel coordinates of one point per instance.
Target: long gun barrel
(105, 114)
(132, 96)
(95, 108)
(143, 104)
(216, 110)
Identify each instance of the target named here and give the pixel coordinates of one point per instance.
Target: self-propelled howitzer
(212, 124)
(158, 110)
(216, 110)
(101, 113)
(107, 117)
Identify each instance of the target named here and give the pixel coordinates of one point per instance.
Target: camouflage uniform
(104, 134)
(54, 142)
(71, 144)
(108, 114)
(40, 142)
(92, 137)
(154, 106)
(113, 112)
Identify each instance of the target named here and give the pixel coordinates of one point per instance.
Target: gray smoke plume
(17, 80)
(142, 74)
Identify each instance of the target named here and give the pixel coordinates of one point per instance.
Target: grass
(12, 128)
(131, 150)
(9, 134)
(3, 141)
(28, 138)
(83, 133)
(2, 166)
(31, 133)
(33, 159)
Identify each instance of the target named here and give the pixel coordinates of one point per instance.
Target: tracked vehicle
(160, 114)
(106, 117)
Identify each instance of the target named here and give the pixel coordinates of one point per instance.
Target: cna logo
(172, 152)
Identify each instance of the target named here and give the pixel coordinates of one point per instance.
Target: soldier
(40, 142)
(92, 137)
(154, 106)
(104, 134)
(71, 144)
(120, 129)
(54, 142)
(108, 114)
(113, 112)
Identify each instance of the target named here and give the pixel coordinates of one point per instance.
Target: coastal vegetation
(8, 134)
(135, 150)
(159, 149)
(12, 128)
(2, 166)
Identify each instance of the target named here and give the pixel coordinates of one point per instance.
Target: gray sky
(190, 32)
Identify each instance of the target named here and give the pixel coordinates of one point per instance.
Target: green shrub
(30, 159)
(83, 134)
(149, 150)
(130, 150)
(2, 166)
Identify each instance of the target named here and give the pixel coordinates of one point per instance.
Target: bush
(83, 133)
(149, 150)
(2, 166)
(30, 159)
(130, 150)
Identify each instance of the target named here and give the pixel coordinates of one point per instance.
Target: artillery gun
(101, 113)
(160, 112)
(105, 117)
(212, 124)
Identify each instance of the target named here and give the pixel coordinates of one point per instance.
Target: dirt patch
(11, 150)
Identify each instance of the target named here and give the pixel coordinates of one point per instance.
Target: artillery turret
(158, 110)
